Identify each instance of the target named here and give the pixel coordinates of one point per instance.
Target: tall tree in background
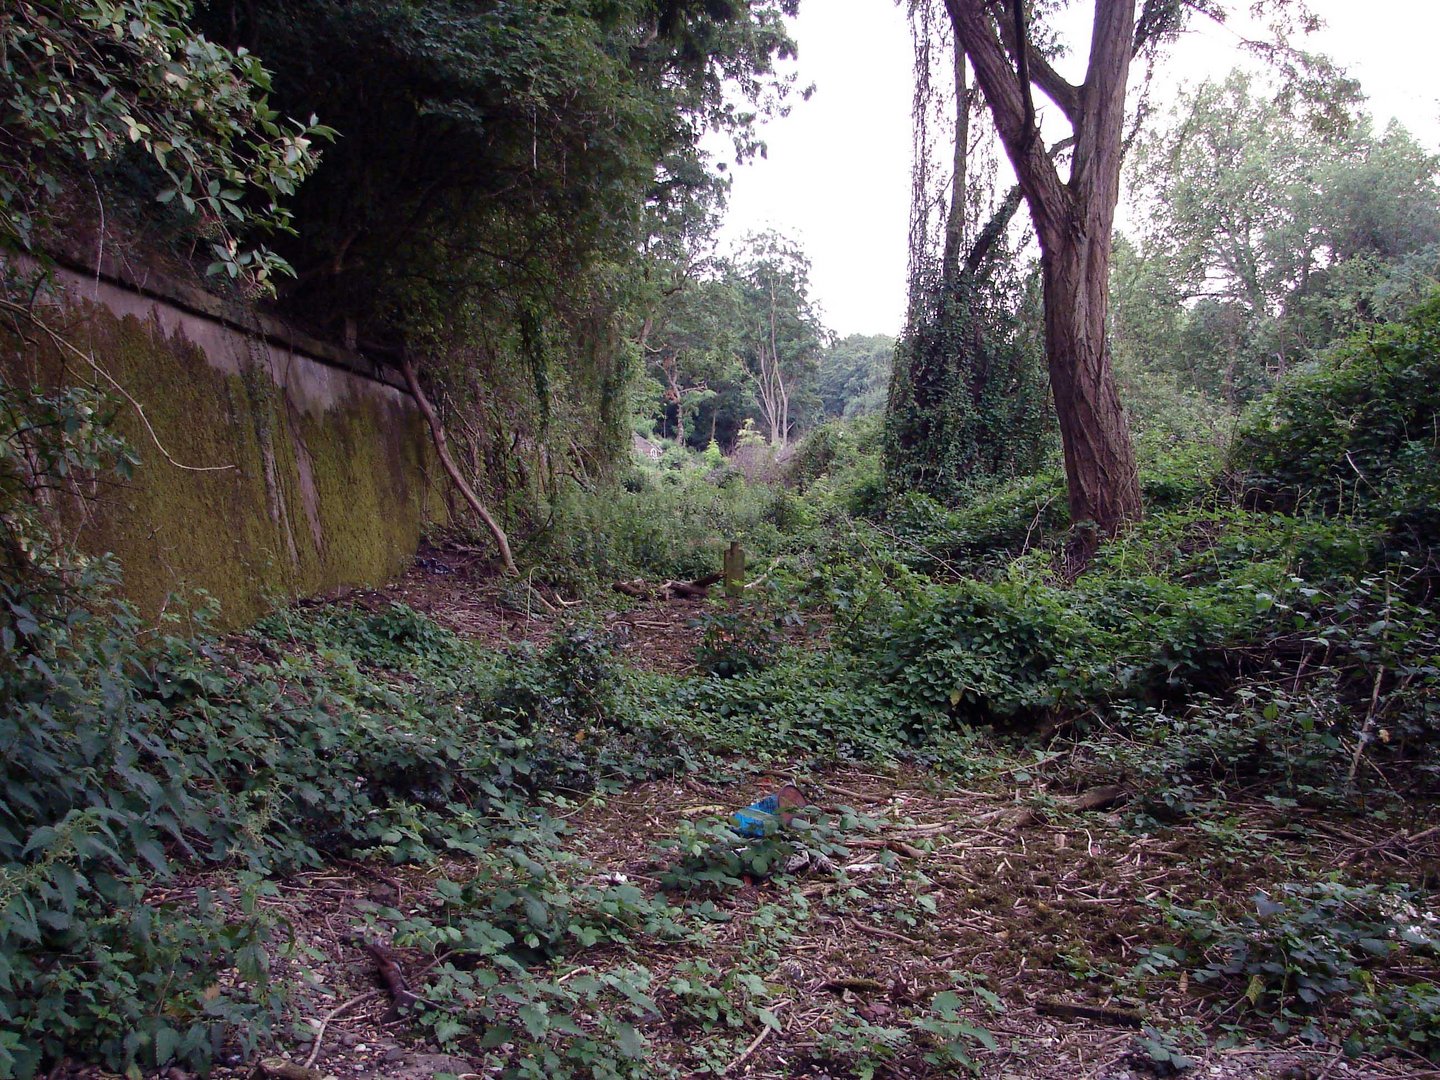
(1272, 231)
(854, 374)
(1074, 217)
(1073, 220)
(689, 349)
(781, 334)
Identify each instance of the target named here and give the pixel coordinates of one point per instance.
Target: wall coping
(231, 313)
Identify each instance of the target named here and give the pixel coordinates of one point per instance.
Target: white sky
(837, 177)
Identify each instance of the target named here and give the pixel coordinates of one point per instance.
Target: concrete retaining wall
(297, 468)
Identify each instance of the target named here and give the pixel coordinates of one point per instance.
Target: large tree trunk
(1073, 221)
(1099, 458)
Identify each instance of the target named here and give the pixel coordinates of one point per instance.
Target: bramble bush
(127, 760)
(1301, 944)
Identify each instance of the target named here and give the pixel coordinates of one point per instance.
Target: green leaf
(631, 1043)
(167, 1041)
(946, 1002)
(536, 1018)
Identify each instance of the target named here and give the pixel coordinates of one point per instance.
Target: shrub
(124, 762)
(675, 526)
(1356, 431)
(1301, 943)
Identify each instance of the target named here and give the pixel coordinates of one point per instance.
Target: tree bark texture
(442, 449)
(1100, 470)
(960, 176)
(1073, 221)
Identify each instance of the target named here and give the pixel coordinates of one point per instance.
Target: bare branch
(1034, 68)
(1001, 218)
(68, 346)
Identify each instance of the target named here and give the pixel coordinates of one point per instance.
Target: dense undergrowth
(1269, 625)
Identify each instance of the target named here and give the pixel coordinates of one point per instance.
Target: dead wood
(391, 975)
(854, 984)
(1097, 798)
(635, 587)
(1024, 818)
(1104, 1013)
(442, 450)
(671, 589)
(334, 1013)
(639, 588)
(899, 847)
(280, 1069)
(754, 1045)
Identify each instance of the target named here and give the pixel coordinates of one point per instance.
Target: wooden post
(734, 569)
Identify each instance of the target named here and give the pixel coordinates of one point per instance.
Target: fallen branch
(280, 1069)
(639, 588)
(442, 449)
(854, 984)
(1103, 1013)
(388, 968)
(1368, 728)
(899, 847)
(1097, 798)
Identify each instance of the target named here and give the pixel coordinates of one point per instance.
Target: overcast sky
(837, 177)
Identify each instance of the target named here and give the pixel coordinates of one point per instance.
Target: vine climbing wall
(272, 466)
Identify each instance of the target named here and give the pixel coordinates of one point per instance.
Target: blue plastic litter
(758, 818)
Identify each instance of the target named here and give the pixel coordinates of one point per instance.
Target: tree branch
(442, 449)
(1040, 182)
(1001, 218)
(1032, 66)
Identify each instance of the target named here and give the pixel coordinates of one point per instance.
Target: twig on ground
(754, 1043)
(333, 1014)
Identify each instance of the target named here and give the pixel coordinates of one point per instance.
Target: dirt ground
(1043, 911)
(451, 587)
(1030, 909)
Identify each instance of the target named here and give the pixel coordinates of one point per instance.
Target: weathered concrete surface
(292, 475)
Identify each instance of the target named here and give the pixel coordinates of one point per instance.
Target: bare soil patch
(1045, 916)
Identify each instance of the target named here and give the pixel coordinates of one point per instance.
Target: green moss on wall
(275, 491)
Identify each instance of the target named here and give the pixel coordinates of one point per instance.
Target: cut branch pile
(639, 588)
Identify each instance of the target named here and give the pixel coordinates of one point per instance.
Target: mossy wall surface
(298, 477)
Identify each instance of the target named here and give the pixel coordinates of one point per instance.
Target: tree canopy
(1268, 236)
(86, 83)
